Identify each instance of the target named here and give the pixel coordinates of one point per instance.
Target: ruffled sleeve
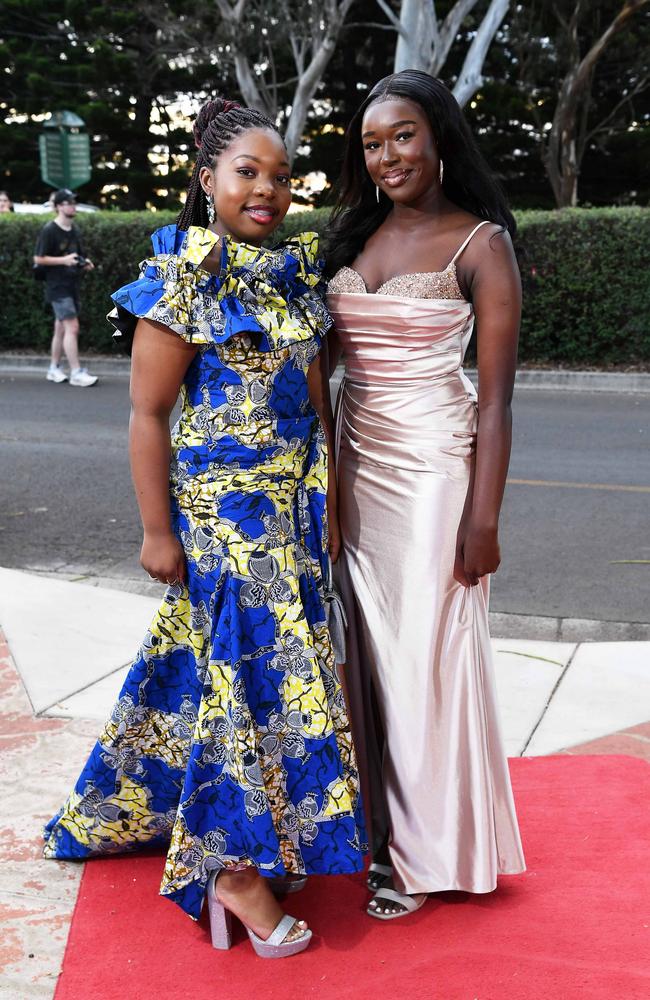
(276, 295)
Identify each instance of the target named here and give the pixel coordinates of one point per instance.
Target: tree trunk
(562, 157)
(424, 43)
(248, 87)
(305, 90)
(444, 35)
(414, 41)
(324, 31)
(470, 77)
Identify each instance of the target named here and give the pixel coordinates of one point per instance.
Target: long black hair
(216, 125)
(467, 180)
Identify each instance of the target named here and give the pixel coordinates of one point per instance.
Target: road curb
(527, 378)
(37, 364)
(546, 629)
(583, 381)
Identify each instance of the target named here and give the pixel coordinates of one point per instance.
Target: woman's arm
(158, 365)
(319, 394)
(496, 294)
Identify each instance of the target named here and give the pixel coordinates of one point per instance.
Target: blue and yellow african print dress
(229, 741)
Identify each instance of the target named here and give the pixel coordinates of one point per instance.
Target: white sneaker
(81, 378)
(54, 374)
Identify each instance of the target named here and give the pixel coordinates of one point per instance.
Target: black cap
(65, 194)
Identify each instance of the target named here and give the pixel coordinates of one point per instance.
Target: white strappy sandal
(378, 876)
(410, 903)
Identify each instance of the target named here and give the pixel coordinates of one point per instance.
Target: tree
(576, 45)
(569, 131)
(424, 41)
(135, 71)
(258, 32)
(123, 69)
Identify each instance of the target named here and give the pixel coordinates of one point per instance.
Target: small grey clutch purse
(337, 621)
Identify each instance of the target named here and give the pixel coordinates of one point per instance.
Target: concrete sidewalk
(65, 652)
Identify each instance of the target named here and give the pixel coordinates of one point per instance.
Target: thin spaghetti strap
(486, 222)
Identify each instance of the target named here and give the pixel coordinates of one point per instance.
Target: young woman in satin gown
(420, 252)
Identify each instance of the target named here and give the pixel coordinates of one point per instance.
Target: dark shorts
(65, 308)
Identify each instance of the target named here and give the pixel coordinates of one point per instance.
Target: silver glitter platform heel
(275, 945)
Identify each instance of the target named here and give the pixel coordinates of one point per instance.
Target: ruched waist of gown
(405, 401)
(421, 425)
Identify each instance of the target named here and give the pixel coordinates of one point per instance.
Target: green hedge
(586, 280)
(585, 272)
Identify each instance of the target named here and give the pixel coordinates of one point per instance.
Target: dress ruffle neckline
(275, 294)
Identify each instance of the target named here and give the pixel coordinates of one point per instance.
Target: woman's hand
(163, 558)
(477, 553)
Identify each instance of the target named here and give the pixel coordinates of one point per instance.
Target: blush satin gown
(419, 673)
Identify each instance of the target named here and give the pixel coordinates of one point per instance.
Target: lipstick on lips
(395, 178)
(262, 214)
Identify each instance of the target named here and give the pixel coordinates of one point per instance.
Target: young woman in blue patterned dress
(229, 741)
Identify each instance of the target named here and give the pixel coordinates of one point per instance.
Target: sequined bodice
(421, 285)
(412, 331)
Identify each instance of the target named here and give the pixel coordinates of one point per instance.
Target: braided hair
(216, 125)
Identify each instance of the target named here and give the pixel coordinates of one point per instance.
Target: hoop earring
(377, 192)
(441, 171)
(210, 208)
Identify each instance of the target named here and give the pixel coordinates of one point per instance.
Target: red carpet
(576, 925)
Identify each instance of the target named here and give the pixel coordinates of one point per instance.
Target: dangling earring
(441, 171)
(210, 208)
(377, 192)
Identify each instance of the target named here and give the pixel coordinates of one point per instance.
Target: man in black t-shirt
(60, 250)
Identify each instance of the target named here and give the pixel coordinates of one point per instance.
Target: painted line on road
(579, 486)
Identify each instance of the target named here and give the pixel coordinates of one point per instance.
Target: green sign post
(64, 151)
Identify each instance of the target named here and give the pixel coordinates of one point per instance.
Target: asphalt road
(575, 529)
